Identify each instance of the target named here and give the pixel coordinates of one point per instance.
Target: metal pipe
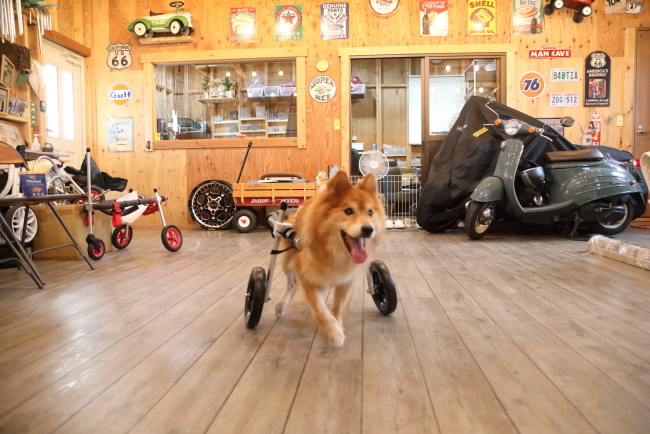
(162, 216)
(276, 244)
(241, 169)
(90, 199)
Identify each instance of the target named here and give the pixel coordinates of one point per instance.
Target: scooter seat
(581, 155)
(155, 14)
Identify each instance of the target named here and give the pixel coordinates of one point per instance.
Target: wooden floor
(513, 334)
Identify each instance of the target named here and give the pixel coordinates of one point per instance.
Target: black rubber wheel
(122, 236)
(255, 294)
(578, 17)
(244, 220)
(211, 204)
(476, 225)
(385, 296)
(95, 254)
(172, 238)
(549, 9)
(185, 31)
(614, 228)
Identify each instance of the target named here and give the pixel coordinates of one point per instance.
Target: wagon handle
(241, 169)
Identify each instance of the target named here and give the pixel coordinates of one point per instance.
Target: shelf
(252, 131)
(395, 155)
(13, 118)
(277, 132)
(217, 100)
(166, 40)
(416, 165)
(278, 120)
(226, 134)
(224, 122)
(252, 119)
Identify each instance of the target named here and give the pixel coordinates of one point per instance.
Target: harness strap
(277, 252)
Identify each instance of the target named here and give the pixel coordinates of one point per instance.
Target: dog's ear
(369, 184)
(339, 184)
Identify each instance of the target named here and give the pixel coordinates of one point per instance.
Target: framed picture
(10, 134)
(7, 73)
(4, 100)
(120, 134)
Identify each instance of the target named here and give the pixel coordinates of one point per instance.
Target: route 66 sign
(119, 56)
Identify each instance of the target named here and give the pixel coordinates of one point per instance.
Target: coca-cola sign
(437, 6)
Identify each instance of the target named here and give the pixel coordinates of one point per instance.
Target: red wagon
(582, 8)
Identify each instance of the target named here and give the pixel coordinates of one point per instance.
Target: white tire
(140, 29)
(175, 27)
(558, 4)
(586, 11)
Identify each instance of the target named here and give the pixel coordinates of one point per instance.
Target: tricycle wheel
(94, 253)
(478, 219)
(578, 17)
(244, 220)
(385, 291)
(122, 236)
(549, 9)
(255, 294)
(172, 238)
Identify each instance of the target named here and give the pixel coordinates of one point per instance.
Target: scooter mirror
(567, 121)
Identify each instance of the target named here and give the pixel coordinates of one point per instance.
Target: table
(24, 260)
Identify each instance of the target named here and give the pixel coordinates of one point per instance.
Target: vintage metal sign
(384, 7)
(593, 132)
(243, 24)
(334, 20)
(532, 84)
(434, 17)
(481, 17)
(527, 17)
(119, 56)
(322, 88)
(597, 79)
(564, 99)
(549, 52)
(120, 94)
(288, 23)
(565, 75)
(624, 6)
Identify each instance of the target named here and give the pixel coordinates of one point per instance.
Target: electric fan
(373, 162)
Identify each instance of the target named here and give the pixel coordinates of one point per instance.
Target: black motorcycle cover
(470, 152)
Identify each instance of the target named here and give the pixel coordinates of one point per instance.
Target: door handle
(641, 132)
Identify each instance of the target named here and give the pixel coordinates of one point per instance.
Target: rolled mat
(620, 251)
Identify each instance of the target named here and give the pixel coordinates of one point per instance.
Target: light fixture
(448, 68)
(476, 67)
(280, 73)
(254, 73)
(480, 89)
(227, 74)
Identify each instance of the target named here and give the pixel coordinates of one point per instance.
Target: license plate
(564, 75)
(565, 99)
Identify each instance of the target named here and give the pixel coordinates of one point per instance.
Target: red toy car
(582, 7)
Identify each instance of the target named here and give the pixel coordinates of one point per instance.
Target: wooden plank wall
(97, 23)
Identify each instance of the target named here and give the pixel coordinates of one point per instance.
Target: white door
(65, 111)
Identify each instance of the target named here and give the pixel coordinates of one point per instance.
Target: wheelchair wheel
(94, 253)
(385, 296)
(122, 236)
(255, 294)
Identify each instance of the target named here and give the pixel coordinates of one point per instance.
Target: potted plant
(227, 86)
(206, 87)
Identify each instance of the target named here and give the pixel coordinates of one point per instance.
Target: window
(226, 100)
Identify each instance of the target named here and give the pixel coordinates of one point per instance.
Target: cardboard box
(50, 233)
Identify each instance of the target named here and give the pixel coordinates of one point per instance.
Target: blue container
(33, 184)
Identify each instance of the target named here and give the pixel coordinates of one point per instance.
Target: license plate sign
(564, 99)
(564, 75)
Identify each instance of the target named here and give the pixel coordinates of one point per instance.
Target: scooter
(579, 186)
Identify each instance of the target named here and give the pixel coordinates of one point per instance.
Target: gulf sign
(120, 94)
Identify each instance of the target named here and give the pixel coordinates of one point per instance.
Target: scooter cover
(470, 152)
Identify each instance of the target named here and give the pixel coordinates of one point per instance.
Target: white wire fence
(399, 194)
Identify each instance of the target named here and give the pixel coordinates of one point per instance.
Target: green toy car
(179, 23)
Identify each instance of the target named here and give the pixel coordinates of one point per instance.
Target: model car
(582, 7)
(178, 23)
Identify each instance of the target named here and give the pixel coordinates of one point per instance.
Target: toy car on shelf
(178, 23)
(582, 8)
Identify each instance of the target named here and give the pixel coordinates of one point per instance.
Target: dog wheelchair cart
(381, 285)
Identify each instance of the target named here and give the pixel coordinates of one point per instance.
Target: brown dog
(339, 229)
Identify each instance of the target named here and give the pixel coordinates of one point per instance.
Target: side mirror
(567, 121)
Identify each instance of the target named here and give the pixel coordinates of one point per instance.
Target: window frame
(151, 60)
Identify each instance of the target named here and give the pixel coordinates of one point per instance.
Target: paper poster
(481, 17)
(527, 17)
(120, 134)
(334, 20)
(593, 133)
(624, 6)
(243, 25)
(597, 79)
(564, 99)
(434, 17)
(288, 23)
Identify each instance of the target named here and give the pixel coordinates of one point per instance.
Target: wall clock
(384, 8)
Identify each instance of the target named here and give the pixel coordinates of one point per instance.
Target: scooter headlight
(512, 127)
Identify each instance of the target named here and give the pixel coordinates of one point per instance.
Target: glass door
(452, 80)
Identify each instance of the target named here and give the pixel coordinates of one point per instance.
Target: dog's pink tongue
(357, 250)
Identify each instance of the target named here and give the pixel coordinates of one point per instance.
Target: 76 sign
(532, 84)
(119, 56)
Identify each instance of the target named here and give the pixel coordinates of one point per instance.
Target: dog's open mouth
(356, 247)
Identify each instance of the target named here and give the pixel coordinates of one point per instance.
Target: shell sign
(120, 94)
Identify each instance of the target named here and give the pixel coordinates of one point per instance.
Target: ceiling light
(227, 74)
(476, 67)
(480, 89)
(254, 73)
(448, 68)
(280, 73)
